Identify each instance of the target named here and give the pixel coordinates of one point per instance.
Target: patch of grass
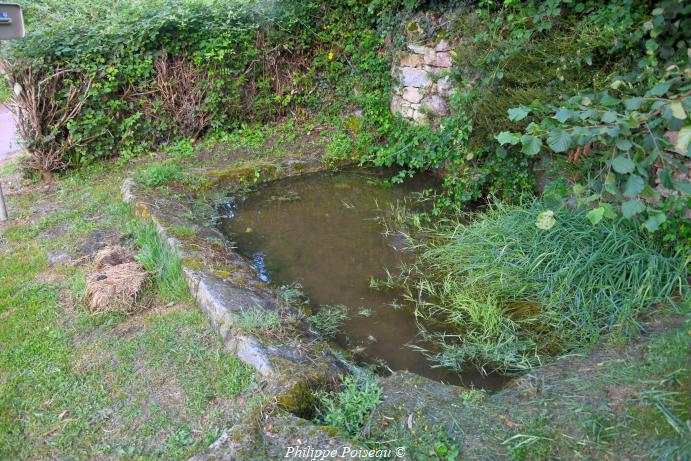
(329, 319)
(510, 294)
(74, 385)
(348, 409)
(259, 320)
(157, 257)
(183, 231)
(159, 173)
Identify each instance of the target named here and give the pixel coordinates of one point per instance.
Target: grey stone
(434, 70)
(419, 49)
(443, 45)
(401, 106)
(56, 259)
(412, 94)
(436, 105)
(430, 57)
(444, 87)
(420, 118)
(417, 78)
(442, 59)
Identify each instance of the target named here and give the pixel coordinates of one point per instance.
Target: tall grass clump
(157, 257)
(502, 294)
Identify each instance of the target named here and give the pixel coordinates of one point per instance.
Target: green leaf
(531, 145)
(563, 114)
(545, 220)
(518, 113)
(609, 101)
(683, 186)
(634, 103)
(683, 139)
(651, 45)
(623, 165)
(609, 210)
(595, 215)
(632, 208)
(609, 117)
(623, 144)
(634, 186)
(506, 137)
(660, 89)
(678, 110)
(654, 221)
(559, 141)
(578, 189)
(666, 178)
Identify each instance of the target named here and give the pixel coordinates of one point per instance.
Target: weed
(329, 319)
(259, 320)
(348, 409)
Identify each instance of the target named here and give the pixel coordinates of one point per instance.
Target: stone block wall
(423, 86)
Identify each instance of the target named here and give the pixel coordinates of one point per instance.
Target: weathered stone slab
(412, 60)
(417, 78)
(419, 49)
(291, 365)
(436, 105)
(442, 59)
(412, 94)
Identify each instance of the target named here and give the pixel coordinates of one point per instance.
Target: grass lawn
(73, 384)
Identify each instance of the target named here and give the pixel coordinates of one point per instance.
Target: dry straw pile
(117, 282)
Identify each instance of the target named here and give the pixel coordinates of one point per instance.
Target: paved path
(9, 144)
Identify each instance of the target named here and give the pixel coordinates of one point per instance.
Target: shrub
(513, 286)
(100, 80)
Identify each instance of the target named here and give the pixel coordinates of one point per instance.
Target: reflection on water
(321, 230)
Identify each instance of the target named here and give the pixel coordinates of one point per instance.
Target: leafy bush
(515, 285)
(621, 135)
(140, 73)
(348, 409)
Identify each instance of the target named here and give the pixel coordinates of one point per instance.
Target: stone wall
(423, 85)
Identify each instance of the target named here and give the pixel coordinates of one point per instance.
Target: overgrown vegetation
(600, 84)
(517, 284)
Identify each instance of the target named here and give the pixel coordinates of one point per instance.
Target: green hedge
(242, 60)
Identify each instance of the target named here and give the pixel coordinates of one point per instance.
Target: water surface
(322, 231)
